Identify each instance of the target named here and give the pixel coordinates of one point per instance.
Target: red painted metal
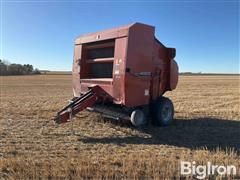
(143, 68)
(81, 103)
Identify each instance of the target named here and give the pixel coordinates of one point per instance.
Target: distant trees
(16, 69)
(3, 68)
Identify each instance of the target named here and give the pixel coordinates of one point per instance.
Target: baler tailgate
(86, 100)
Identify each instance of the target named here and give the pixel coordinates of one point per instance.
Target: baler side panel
(165, 70)
(119, 70)
(169, 70)
(139, 60)
(76, 70)
(156, 69)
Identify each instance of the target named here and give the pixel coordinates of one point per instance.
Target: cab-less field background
(207, 128)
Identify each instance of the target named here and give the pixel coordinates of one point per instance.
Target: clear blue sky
(205, 34)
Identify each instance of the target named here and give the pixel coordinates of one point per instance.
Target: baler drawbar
(78, 104)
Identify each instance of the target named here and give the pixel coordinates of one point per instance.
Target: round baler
(123, 73)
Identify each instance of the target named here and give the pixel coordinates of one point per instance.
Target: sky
(205, 34)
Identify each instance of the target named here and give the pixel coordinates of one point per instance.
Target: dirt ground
(206, 128)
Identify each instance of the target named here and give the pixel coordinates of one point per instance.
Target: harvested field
(207, 128)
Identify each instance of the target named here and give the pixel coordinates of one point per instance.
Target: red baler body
(142, 67)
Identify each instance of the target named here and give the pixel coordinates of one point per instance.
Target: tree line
(16, 69)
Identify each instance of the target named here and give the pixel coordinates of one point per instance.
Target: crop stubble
(207, 128)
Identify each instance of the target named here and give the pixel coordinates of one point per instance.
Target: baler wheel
(138, 118)
(164, 111)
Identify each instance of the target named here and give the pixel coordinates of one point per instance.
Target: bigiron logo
(202, 171)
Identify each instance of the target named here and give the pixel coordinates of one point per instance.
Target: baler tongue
(86, 100)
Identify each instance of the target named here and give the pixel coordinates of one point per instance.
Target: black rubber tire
(163, 112)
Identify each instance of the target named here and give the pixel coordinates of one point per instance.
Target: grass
(207, 128)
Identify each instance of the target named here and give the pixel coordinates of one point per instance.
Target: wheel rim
(137, 118)
(166, 113)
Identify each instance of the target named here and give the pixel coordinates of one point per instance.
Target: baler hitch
(86, 100)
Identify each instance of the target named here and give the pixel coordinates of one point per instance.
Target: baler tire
(138, 118)
(163, 112)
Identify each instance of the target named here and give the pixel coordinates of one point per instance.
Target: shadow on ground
(207, 133)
